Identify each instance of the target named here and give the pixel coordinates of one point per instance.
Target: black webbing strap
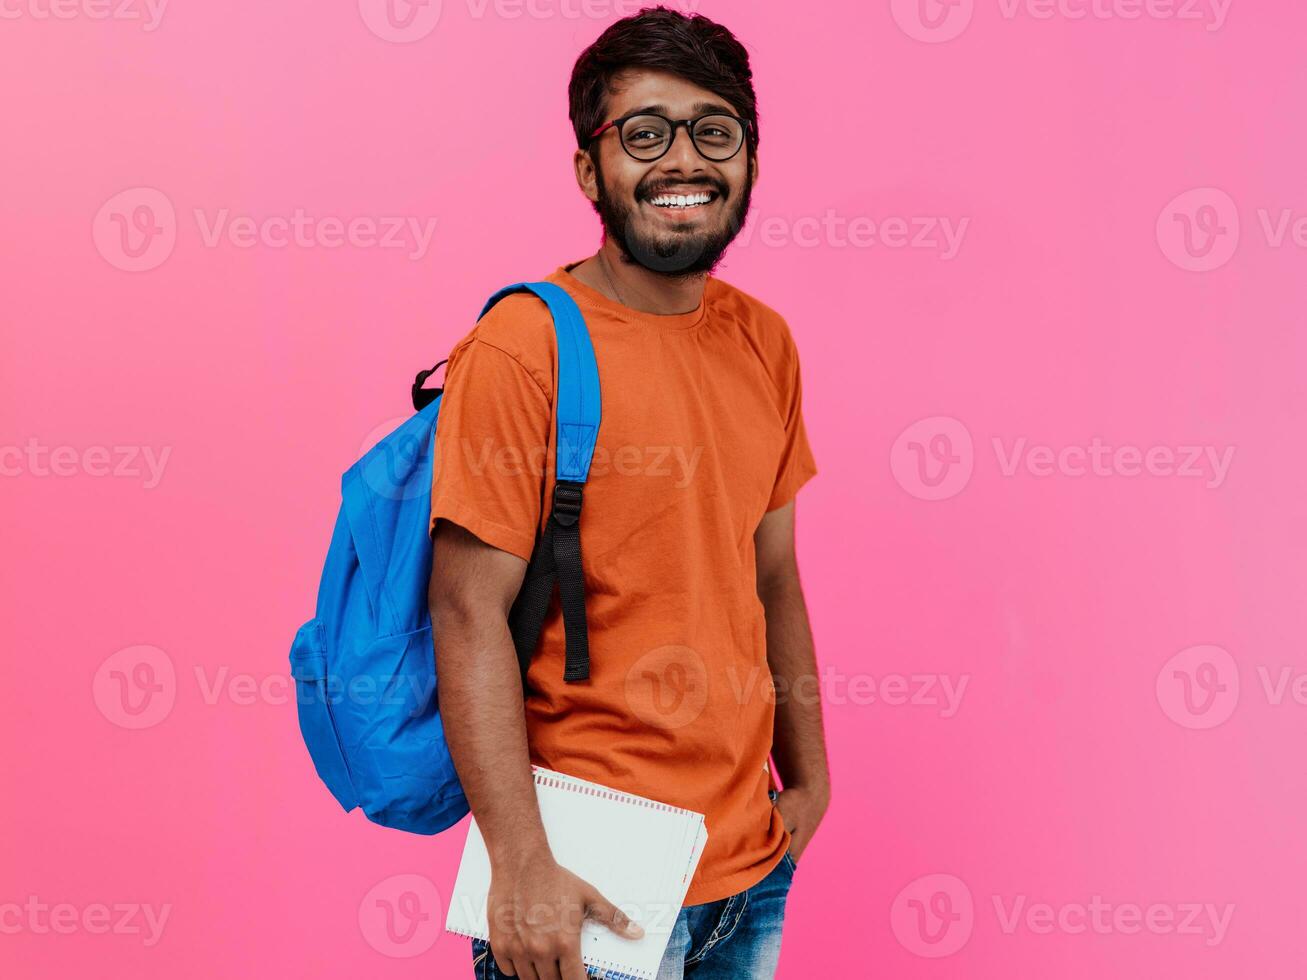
(556, 558)
(422, 397)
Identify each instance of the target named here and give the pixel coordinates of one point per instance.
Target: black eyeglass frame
(676, 124)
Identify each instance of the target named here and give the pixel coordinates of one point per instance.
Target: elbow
(456, 610)
(778, 581)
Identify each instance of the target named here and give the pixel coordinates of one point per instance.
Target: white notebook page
(639, 853)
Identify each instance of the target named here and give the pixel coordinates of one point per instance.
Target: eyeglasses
(646, 136)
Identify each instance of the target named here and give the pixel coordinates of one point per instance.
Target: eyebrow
(699, 109)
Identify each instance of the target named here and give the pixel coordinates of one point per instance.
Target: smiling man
(701, 656)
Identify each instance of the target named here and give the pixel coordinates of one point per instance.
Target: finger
(525, 971)
(504, 965)
(547, 970)
(570, 966)
(605, 912)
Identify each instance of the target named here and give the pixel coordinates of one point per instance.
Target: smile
(683, 202)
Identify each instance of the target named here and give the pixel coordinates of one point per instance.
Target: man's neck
(635, 286)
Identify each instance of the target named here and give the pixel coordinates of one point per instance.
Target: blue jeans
(736, 938)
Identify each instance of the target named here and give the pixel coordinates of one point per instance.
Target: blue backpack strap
(578, 379)
(557, 554)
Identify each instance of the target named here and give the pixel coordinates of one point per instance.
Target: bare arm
(473, 586)
(798, 742)
(472, 589)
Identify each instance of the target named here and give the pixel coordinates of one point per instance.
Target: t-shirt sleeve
(492, 435)
(797, 465)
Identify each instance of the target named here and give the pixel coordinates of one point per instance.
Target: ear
(753, 170)
(586, 179)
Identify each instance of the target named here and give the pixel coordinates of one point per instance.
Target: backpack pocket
(392, 730)
(308, 666)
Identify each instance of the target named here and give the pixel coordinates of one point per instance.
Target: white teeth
(680, 200)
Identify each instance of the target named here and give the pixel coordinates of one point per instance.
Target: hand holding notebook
(637, 852)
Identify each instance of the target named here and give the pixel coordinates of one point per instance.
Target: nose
(682, 155)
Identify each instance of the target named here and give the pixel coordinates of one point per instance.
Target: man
(692, 592)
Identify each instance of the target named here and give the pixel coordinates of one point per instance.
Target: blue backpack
(364, 666)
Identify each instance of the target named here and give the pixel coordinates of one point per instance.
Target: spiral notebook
(639, 853)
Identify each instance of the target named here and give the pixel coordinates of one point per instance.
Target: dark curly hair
(691, 46)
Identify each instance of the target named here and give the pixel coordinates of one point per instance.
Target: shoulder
(758, 327)
(519, 328)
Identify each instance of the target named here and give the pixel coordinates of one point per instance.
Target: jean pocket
(482, 960)
(793, 864)
(789, 859)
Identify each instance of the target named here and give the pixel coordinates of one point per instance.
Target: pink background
(1093, 752)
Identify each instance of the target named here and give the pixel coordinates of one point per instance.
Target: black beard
(677, 255)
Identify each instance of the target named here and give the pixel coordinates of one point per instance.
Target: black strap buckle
(567, 502)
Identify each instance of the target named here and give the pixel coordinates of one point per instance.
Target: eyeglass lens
(716, 137)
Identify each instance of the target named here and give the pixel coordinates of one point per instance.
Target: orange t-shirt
(701, 434)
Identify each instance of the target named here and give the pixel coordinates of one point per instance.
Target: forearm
(798, 741)
(481, 707)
